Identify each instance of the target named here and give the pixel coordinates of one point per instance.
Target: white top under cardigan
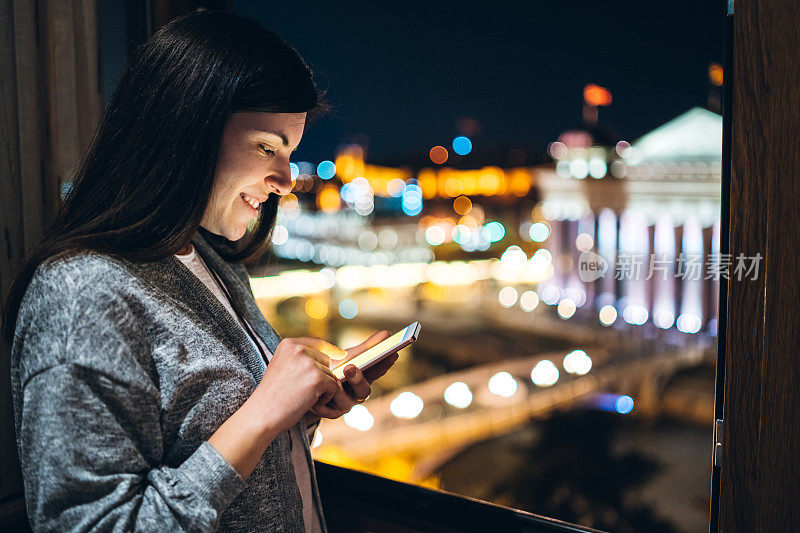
(195, 263)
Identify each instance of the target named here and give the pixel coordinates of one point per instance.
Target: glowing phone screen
(379, 349)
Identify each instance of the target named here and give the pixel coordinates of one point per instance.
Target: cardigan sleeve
(89, 426)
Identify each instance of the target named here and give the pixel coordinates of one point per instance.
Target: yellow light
(469, 182)
(520, 183)
(462, 205)
(435, 292)
(328, 200)
(453, 187)
(381, 297)
(427, 182)
(289, 202)
(715, 74)
(316, 308)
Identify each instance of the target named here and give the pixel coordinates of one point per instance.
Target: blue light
(623, 405)
(411, 209)
(412, 200)
(295, 170)
(326, 170)
(348, 309)
(493, 231)
(462, 145)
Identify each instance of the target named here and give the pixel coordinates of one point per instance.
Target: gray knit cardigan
(120, 373)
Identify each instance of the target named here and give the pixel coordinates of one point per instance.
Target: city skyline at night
(402, 80)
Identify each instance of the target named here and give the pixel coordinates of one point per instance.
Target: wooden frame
(760, 454)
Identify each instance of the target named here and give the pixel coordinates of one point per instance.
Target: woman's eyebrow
(282, 136)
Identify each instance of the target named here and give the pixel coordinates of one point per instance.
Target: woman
(142, 395)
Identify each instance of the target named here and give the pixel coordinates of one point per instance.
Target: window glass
(539, 186)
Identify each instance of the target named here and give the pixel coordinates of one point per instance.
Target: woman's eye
(266, 150)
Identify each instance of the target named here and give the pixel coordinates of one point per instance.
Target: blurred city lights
(715, 74)
(503, 384)
(348, 308)
(623, 405)
(435, 235)
(544, 374)
(539, 232)
(507, 296)
(294, 170)
(557, 150)
(438, 155)
(663, 319)
(566, 308)
(326, 170)
(623, 149)
(316, 308)
(462, 205)
(327, 277)
(513, 258)
(597, 168)
(528, 301)
(395, 187)
(359, 418)
(607, 315)
(595, 95)
(328, 200)
(584, 242)
(493, 231)
(548, 293)
(577, 362)
(406, 405)
(279, 235)
(412, 200)
(289, 202)
(462, 145)
(578, 168)
(458, 395)
(563, 169)
(635, 314)
(689, 323)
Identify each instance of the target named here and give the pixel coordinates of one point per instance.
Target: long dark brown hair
(143, 185)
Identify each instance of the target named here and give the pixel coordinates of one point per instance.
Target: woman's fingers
(330, 350)
(358, 383)
(376, 371)
(373, 339)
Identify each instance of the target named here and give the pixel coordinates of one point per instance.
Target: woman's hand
(357, 385)
(298, 379)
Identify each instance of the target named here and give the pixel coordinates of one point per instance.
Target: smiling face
(253, 162)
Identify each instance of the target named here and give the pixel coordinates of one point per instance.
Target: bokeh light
(316, 308)
(458, 395)
(438, 155)
(623, 405)
(539, 232)
(507, 296)
(348, 308)
(406, 405)
(503, 384)
(326, 170)
(577, 362)
(359, 418)
(544, 374)
(462, 205)
(462, 145)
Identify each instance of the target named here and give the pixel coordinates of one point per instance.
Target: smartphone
(383, 349)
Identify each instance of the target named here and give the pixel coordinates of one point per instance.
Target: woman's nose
(281, 183)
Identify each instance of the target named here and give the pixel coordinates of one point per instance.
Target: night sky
(402, 74)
